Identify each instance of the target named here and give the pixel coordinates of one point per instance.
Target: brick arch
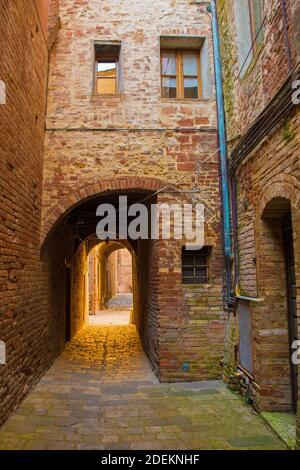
(118, 244)
(285, 187)
(105, 250)
(53, 216)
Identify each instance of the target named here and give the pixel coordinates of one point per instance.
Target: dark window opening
(107, 59)
(195, 266)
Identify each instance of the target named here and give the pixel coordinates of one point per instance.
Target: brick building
(153, 128)
(260, 44)
(112, 98)
(27, 314)
(135, 140)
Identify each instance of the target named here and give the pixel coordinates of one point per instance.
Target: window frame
(205, 252)
(116, 61)
(116, 78)
(254, 27)
(179, 53)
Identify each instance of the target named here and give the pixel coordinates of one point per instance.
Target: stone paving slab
(121, 301)
(102, 394)
(110, 317)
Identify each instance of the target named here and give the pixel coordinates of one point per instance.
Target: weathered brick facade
(267, 187)
(134, 142)
(30, 299)
(97, 143)
(32, 304)
(92, 148)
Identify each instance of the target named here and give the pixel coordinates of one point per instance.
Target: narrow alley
(101, 394)
(149, 226)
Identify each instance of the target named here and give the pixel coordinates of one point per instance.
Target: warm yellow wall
(43, 11)
(108, 87)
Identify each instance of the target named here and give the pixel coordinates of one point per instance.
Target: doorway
(275, 320)
(68, 305)
(110, 284)
(291, 290)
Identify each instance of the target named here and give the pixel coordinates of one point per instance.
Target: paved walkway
(110, 317)
(122, 301)
(102, 394)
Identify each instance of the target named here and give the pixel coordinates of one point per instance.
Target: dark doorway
(291, 300)
(68, 304)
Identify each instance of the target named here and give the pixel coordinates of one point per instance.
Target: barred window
(195, 266)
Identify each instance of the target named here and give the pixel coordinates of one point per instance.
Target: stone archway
(104, 249)
(53, 215)
(167, 313)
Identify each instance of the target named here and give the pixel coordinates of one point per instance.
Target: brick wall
(79, 288)
(32, 285)
(111, 272)
(269, 172)
(72, 105)
(84, 149)
(23, 67)
(182, 326)
(124, 272)
(248, 92)
(265, 180)
(147, 309)
(191, 320)
(119, 269)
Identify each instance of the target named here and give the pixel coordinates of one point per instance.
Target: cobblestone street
(102, 394)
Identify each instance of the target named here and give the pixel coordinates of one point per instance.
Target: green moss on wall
(288, 132)
(228, 59)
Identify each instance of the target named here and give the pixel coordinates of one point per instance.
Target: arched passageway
(98, 272)
(111, 296)
(182, 340)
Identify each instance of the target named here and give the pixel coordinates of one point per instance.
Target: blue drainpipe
(223, 147)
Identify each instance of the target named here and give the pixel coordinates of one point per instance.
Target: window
(107, 68)
(249, 29)
(256, 19)
(181, 73)
(195, 268)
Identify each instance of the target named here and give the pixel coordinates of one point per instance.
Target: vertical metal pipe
(223, 147)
